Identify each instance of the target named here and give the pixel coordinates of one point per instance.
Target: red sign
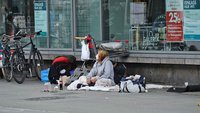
(174, 23)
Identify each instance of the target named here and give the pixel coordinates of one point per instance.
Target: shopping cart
(117, 48)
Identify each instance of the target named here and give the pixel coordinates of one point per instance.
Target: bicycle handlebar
(18, 32)
(26, 35)
(38, 33)
(17, 36)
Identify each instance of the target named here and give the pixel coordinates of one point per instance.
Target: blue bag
(44, 75)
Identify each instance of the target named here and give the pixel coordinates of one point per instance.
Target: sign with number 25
(174, 25)
(174, 17)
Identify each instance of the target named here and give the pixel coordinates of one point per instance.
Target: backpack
(119, 72)
(135, 84)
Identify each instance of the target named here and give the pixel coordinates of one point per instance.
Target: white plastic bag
(85, 52)
(129, 87)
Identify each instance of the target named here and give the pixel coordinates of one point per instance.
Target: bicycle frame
(31, 50)
(7, 43)
(20, 65)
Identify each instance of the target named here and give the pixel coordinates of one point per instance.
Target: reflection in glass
(60, 24)
(88, 18)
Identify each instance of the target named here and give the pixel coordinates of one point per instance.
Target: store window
(118, 19)
(133, 20)
(17, 10)
(60, 24)
(145, 25)
(88, 19)
(40, 22)
(23, 13)
(2, 15)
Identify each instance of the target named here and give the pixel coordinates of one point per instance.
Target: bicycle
(20, 65)
(6, 54)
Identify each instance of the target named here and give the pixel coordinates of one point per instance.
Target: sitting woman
(102, 72)
(60, 69)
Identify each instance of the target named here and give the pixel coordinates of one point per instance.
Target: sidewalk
(30, 98)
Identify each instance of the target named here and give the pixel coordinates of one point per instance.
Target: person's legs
(88, 81)
(65, 80)
(91, 81)
(104, 82)
(53, 74)
(63, 70)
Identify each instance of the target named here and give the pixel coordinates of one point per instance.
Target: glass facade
(2, 15)
(40, 21)
(60, 30)
(118, 18)
(88, 18)
(135, 20)
(150, 26)
(144, 23)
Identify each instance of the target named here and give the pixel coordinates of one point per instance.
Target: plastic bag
(133, 84)
(44, 75)
(85, 52)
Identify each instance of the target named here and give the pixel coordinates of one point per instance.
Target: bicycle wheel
(18, 70)
(6, 66)
(38, 63)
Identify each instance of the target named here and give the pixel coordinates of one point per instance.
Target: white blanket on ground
(112, 88)
(100, 88)
(101, 85)
(82, 80)
(73, 87)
